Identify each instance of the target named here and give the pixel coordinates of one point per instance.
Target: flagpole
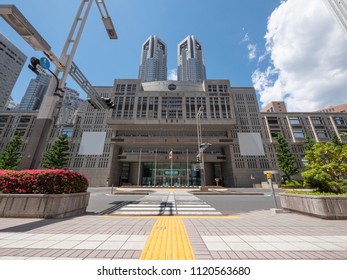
(171, 166)
(155, 168)
(138, 174)
(187, 170)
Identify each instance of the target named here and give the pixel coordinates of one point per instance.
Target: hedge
(50, 181)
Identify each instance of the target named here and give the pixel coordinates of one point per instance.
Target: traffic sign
(269, 175)
(44, 63)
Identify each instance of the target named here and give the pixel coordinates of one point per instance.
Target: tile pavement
(254, 235)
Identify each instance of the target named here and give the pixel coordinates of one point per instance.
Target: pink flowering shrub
(51, 181)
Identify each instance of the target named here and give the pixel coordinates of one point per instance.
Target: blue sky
(231, 33)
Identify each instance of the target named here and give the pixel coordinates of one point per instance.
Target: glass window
(339, 121)
(316, 120)
(298, 133)
(294, 120)
(68, 131)
(322, 133)
(272, 120)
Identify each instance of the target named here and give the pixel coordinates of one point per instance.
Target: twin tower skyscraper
(153, 65)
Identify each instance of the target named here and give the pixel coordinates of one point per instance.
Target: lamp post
(201, 146)
(198, 130)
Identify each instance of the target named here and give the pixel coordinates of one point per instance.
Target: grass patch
(316, 193)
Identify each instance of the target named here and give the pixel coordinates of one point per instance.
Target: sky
(288, 50)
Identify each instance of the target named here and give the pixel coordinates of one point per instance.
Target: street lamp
(201, 146)
(111, 31)
(22, 26)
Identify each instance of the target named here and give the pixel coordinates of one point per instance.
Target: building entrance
(167, 175)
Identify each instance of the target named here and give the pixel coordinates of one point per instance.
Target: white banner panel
(92, 143)
(250, 144)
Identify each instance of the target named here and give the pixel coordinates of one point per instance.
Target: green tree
(11, 156)
(327, 166)
(57, 155)
(286, 160)
(308, 143)
(336, 140)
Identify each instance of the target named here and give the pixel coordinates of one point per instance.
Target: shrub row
(51, 181)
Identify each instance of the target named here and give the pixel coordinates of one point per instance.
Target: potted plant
(53, 193)
(325, 173)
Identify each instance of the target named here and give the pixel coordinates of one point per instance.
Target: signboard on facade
(92, 143)
(173, 172)
(250, 144)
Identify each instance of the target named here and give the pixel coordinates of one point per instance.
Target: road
(102, 201)
(235, 204)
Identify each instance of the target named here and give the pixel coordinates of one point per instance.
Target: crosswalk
(167, 204)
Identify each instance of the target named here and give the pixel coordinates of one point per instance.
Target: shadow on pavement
(34, 225)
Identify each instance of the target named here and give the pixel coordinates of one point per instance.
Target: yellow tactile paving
(168, 240)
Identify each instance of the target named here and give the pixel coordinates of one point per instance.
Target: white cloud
(172, 75)
(309, 58)
(252, 50)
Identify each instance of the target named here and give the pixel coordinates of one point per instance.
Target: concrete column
(116, 167)
(209, 174)
(227, 169)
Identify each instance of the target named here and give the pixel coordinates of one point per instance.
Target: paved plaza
(174, 225)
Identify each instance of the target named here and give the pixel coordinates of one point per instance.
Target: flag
(170, 154)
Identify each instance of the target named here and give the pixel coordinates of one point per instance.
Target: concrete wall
(43, 205)
(97, 177)
(326, 207)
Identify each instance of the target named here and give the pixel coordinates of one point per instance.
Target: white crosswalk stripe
(164, 203)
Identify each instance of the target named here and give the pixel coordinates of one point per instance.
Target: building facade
(275, 106)
(11, 63)
(69, 106)
(191, 65)
(339, 10)
(151, 119)
(156, 119)
(337, 108)
(153, 65)
(34, 94)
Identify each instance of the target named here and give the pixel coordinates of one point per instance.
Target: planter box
(326, 207)
(43, 205)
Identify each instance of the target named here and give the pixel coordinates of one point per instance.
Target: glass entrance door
(165, 176)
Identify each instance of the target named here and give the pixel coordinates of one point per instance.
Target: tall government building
(191, 65)
(11, 63)
(153, 65)
(339, 9)
(153, 116)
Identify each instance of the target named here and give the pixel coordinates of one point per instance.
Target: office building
(337, 108)
(132, 141)
(275, 106)
(153, 65)
(11, 63)
(149, 121)
(191, 65)
(339, 10)
(69, 107)
(34, 94)
(10, 104)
